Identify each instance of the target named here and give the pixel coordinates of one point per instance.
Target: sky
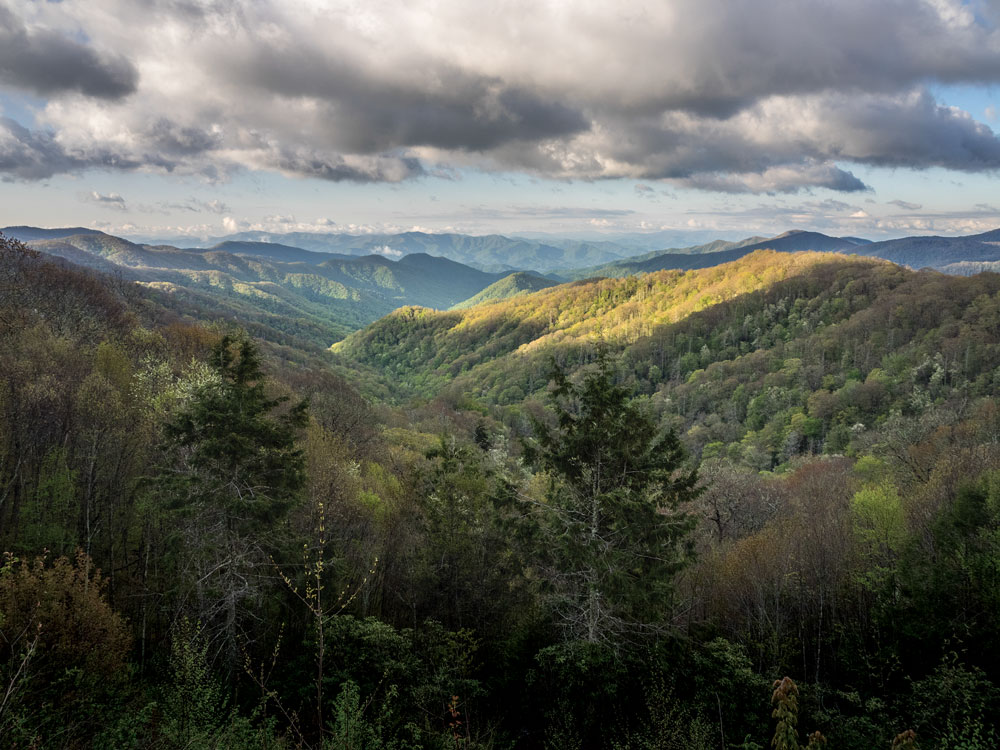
(705, 118)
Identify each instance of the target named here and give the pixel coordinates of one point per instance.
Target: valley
(793, 431)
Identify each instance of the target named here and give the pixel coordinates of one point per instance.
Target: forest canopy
(750, 506)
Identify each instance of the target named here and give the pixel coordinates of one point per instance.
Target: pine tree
(234, 453)
(612, 536)
(233, 471)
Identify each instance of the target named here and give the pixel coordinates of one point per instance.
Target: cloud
(842, 219)
(231, 225)
(303, 162)
(46, 62)
(111, 200)
(776, 180)
(196, 205)
(38, 154)
(906, 205)
(546, 212)
(736, 96)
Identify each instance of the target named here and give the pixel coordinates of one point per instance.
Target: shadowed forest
(748, 506)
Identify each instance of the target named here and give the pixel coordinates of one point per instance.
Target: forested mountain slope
(714, 253)
(522, 549)
(938, 252)
(274, 285)
(765, 358)
(416, 341)
(492, 252)
(507, 287)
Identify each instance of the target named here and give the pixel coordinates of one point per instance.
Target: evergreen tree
(233, 472)
(235, 455)
(611, 533)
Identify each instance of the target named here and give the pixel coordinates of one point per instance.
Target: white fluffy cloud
(760, 96)
(110, 200)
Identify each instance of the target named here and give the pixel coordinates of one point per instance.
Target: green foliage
(951, 580)
(579, 689)
(612, 535)
(233, 470)
(785, 700)
(363, 726)
(954, 707)
(194, 704)
(672, 724)
(49, 515)
(880, 531)
(466, 560)
(234, 452)
(63, 651)
(727, 690)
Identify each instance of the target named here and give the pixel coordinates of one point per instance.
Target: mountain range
(271, 284)
(490, 253)
(321, 287)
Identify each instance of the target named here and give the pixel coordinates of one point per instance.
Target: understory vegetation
(746, 507)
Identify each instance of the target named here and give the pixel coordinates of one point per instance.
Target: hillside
(316, 297)
(840, 411)
(741, 355)
(507, 287)
(941, 253)
(30, 234)
(491, 253)
(714, 253)
(416, 342)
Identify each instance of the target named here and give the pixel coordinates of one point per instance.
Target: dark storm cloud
(730, 54)
(445, 107)
(777, 180)
(335, 168)
(912, 132)
(173, 138)
(790, 143)
(763, 96)
(36, 155)
(46, 62)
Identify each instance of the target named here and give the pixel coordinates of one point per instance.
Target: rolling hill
(276, 286)
(755, 357)
(954, 255)
(510, 286)
(941, 253)
(509, 342)
(714, 253)
(492, 253)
